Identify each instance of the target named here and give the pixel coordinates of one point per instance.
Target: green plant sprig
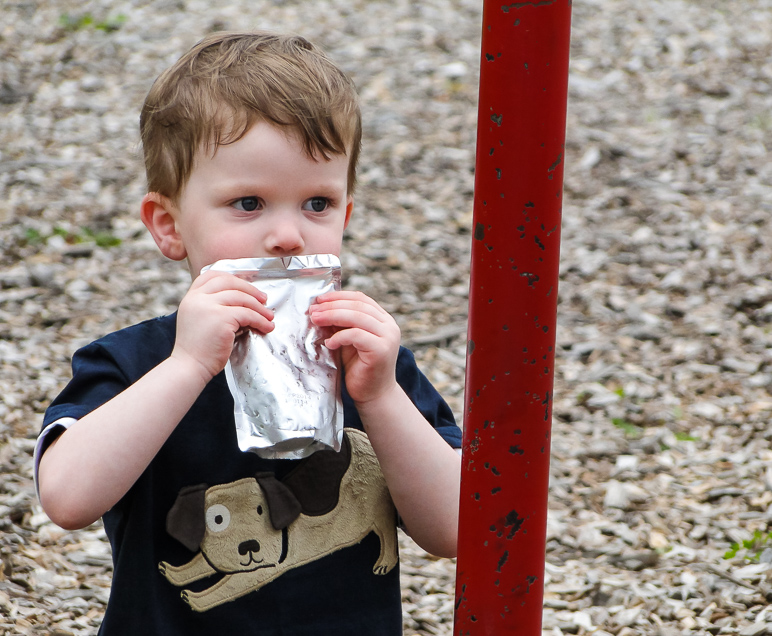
(752, 548)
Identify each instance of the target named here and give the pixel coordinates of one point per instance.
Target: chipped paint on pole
(512, 317)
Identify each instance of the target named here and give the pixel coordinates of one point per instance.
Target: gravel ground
(664, 369)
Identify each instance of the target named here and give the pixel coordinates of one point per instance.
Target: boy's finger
(362, 340)
(237, 298)
(352, 296)
(350, 319)
(211, 282)
(252, 320)
(353, 306)
(227, 297)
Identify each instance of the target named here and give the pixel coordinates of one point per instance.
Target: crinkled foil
(286, 383)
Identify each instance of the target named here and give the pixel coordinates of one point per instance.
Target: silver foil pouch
(286, 383)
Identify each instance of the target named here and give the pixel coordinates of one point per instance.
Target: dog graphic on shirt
(255, 529)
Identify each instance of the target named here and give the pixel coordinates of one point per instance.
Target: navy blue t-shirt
(335, 594)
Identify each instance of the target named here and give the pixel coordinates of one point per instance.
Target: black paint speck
(502, 560)
(513, 521)
(532, 279)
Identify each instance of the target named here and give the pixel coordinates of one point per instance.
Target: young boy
(251, 143)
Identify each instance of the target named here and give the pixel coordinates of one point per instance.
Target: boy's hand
(368, 338)
(216, 307)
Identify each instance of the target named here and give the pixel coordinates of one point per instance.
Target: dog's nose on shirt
(249, 546)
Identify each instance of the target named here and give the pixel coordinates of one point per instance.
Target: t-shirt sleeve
(104, 368)
(96, 379)
(426, 398)
(422, 393)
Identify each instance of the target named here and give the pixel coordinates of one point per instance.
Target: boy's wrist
(385, 400)
(187, 369)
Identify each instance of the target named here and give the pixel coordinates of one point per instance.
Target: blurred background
(661, 481)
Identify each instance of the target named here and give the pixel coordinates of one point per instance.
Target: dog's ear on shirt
(185, 520)
(283, 506)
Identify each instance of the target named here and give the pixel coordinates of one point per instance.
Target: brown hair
(229, 81)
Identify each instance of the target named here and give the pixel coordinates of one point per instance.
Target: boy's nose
(284, 239)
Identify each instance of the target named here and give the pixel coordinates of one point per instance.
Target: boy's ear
(349, 210)
(159, 216)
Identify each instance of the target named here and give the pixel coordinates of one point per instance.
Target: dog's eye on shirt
(259, 510)
(218, 518)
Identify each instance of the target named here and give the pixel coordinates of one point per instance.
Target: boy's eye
(247, 204)
(317, 204)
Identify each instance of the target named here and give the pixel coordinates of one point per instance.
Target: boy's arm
(423, 473)
(92, 465)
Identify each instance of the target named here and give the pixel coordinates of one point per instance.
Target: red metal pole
(512, 317)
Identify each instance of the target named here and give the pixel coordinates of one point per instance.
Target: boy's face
(261, 196)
